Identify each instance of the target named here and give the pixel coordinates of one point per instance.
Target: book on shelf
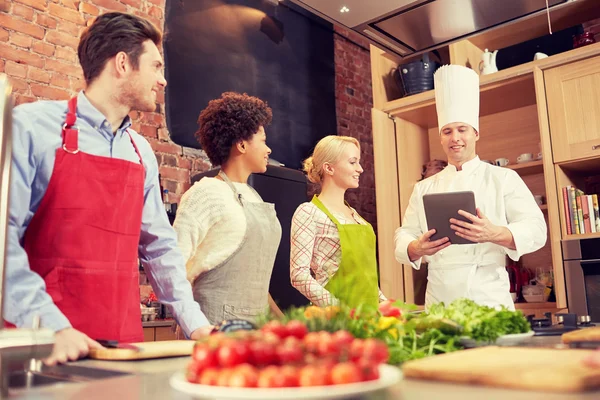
(581, 211)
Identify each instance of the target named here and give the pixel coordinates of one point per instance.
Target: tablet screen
(440, 207)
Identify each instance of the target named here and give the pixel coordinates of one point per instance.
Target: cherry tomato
(290, 351)
(275, 327)
(232, 354)
(224, 375)
(193, 371)
(311, 342)
(369, 370)
(244, 375)
(262, 353)
(204, 356)
(346, 372)
(311, 375)
(357, 349)
(209, 376)
(267, 377)
(343, 338)
(327, 346)
(387, 309)
(287, 376)
(375, 350)
(296, 329)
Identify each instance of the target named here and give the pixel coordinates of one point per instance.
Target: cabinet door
(573, 95)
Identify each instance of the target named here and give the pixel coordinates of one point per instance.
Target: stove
(564, 323)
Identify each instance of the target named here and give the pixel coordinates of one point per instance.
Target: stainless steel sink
(22, 377)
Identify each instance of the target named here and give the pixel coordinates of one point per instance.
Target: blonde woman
(333, 257)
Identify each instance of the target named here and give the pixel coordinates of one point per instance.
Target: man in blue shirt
(85, 201)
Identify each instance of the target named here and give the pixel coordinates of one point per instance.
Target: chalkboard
(272, 52)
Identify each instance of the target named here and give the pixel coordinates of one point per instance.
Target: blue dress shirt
(36, 136)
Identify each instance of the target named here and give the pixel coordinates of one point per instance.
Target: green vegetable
(482, 323)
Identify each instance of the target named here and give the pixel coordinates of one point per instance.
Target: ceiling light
(344, 9)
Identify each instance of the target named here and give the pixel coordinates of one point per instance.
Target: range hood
(412, 27)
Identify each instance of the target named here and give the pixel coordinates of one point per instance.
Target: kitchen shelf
(582, 236)
(530, 306)
(529, 168)
(502, 91)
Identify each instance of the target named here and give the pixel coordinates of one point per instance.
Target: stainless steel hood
(411, 27)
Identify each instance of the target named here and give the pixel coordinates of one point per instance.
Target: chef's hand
(201, 332)
(70, 345)
(423, 246)
(481, 230)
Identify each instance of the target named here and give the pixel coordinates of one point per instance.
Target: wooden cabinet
(573, 96)
(550, 106)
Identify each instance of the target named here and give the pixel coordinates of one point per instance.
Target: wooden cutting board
(555, 370)
(167, 348)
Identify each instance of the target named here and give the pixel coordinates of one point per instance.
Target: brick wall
(38, 51)
(38, 42)
(353, 101)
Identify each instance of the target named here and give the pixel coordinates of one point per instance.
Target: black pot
(415, 77)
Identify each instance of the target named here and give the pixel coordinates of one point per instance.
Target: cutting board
(167, 348)
(555, 370)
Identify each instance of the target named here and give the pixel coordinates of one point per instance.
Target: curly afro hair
(225, 121)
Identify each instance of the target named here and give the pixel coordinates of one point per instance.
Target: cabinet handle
(596, 147)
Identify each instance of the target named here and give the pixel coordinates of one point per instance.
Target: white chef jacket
(475, 271)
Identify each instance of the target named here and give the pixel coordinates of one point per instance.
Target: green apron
(355, 282)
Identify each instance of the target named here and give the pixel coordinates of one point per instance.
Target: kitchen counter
(150, 381)
(157, 323)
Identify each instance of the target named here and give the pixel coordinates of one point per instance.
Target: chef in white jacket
(508, 220)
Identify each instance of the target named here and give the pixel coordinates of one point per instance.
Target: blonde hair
(328, 150)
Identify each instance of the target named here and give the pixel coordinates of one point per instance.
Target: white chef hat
(457, 95)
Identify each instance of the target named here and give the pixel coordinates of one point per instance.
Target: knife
(114, 344)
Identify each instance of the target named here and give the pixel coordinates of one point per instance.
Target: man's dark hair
(228, 120)
(110, 34)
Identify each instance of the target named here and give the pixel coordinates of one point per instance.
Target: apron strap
(70, 131)
(238, 196)
(135, 147)
(315, 200)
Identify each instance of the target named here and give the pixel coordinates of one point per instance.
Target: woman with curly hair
(229, 237)
(333, 255)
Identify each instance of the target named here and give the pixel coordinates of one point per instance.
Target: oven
(582, 275)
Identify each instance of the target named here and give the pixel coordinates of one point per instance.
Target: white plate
(504, 340)
(388, 376)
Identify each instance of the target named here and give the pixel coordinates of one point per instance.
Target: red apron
(83, 239)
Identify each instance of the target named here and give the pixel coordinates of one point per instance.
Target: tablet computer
(440, 207)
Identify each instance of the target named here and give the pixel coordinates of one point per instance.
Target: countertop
(157, 323)
(150, 381)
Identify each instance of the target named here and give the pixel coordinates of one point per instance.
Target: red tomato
(290, 351)
(275, 327)
(327, 346)
(209, 376)
(262, 353)
(296, 329)
(267, 377)
(224, 375)
(193, 371)
(205, 356)
(375, 350)
(357, 349)
(346, 372)
(343, 338)
(311, 375)
(311, 342)
(369, 370)
(244, 375)
(287, 376)
(387, 309)
(232, 354)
